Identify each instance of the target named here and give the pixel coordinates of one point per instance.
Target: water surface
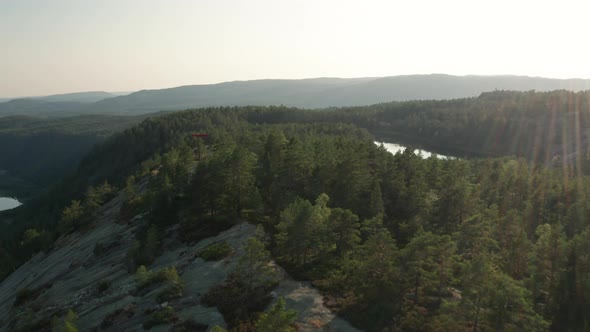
(395, 148)
(7, 203)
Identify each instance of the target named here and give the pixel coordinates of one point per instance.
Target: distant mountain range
(54, 105)
(305, 93)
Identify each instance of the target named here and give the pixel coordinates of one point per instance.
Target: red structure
(200, 135)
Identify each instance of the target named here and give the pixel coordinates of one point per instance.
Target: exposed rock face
(309, 303)
(69, 277)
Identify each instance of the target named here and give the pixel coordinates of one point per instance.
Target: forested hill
(326, 92)
(544, 127)
(304, 93)
(68, 104)
(395, 242)
(552, 128)
(42, 151)
(82, 97)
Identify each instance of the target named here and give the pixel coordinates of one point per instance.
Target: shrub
(143, 276)
(174, 284)
(162, 316)
(126, 312)
(192, 230)
(65, 324)
(217, 328)
(189, 326)
(145, 249)
(216, 251)
(278, 319)
(237, 302)
(103, 285)
(171, 292)
(23, 296)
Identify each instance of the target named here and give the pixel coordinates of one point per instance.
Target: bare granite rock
(68, 276)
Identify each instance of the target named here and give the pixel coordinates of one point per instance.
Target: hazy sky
(58, 46)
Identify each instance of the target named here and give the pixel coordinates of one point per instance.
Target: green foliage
(277, 319)
(303, 232)
(34, 241)
(254, 267)
(144, 250)
(161, 316)
(190, 325)
(66, 324)
(173, 285)
(26, 295)
(374, 275)
(145, 278)
(23, 295)
(70, 216)
(294, 235)
(171, 291)
(30, 235)
(548, 264)
(151, 244)
(247, 290)
(226, 184)
(344, 225)
(397, 242)
(79, 212)
(216, 251)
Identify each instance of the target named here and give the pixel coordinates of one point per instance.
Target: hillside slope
(68, 276)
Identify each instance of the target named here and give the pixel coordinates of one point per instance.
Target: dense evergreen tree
(397, 242)
(277, 319)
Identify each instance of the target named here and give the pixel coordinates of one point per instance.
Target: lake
(395, 148)
(7, 203)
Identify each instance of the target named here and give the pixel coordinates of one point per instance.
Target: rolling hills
(303, 93)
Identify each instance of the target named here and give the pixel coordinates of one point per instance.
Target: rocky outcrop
(87, 272)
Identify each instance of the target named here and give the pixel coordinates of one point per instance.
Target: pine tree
(277, 319)
(345, 226)
(254, 267)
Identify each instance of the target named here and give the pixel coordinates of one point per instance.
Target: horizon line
(122, 93)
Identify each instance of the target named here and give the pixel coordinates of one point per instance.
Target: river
(395, 148)
(7, 203)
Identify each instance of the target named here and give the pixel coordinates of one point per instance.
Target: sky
(60, 46)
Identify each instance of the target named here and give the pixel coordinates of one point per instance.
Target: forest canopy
(394, 241)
